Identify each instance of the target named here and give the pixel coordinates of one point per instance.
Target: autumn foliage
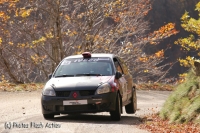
(192, 42)
(36, 35)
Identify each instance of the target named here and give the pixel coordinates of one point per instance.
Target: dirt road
(21, 112)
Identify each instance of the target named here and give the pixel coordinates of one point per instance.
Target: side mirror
(118, 75)
(50, 75)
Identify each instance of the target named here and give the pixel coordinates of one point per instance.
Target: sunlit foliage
(192, 42)
(37, 35)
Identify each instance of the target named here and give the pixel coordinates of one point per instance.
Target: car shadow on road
(97, 119)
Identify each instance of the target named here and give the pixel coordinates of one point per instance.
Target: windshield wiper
(89, 74)
(64, 75)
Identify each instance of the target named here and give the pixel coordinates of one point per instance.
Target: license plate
(74, 102)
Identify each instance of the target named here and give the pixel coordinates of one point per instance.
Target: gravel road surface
(20, 112)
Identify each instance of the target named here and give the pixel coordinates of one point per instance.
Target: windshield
(85, 67)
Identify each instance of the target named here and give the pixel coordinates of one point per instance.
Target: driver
(102, 68)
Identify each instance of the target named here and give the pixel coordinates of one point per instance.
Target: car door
(122, 81)
(128, 78)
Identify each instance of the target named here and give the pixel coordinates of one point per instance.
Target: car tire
(116, 115)
(132, 107)
(48, 116)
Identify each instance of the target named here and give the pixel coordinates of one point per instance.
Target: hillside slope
(183, 105)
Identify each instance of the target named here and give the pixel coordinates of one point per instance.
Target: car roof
(93, 55)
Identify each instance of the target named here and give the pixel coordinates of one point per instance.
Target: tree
(43, 32)
(192, 42)
(7, 61)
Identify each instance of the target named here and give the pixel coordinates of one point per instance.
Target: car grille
(76, 108)
(62, 93)
(82, 93)
(87, 92)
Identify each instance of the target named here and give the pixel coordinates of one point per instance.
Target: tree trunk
(197, 68)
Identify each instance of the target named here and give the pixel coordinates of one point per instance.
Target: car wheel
(116, 115)
(48, 116)
(132, 107)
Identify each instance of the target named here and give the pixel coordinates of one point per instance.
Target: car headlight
(105, 88)
(49, 91)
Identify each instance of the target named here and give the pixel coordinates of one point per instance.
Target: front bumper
(95, 103)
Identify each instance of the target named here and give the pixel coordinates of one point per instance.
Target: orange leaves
(106, 48)
(143, 59)
(67, 17)
(159, 53)
(106, 15)
(3, 80)
(37, 59)
(5, 85)
(25, 13)
(21, 45)
(10, 1)
(41, 40)
(117, 19)
(141, 7)
(34, 43)
(155, 86)
(127, 48)
(155, 124)
(164, 32)
(89, 37)
(99, 39)
(17, 12)
(91, 11)
(168, 27)
(3, 16)
(10, 43)
(71, 33)
(49, 35)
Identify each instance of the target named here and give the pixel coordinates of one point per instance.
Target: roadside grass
(183, 105)
(180, 112)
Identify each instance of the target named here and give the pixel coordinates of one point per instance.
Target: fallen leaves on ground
(155, 86)
(11, 87)
(155, 124)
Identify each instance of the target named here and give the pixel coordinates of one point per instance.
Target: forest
(36, 35)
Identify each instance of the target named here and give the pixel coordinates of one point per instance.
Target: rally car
(89, 83)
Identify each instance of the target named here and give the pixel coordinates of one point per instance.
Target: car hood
(78, 83)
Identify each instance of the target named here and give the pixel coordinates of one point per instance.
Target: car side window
(117, 66)
(124, 67)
